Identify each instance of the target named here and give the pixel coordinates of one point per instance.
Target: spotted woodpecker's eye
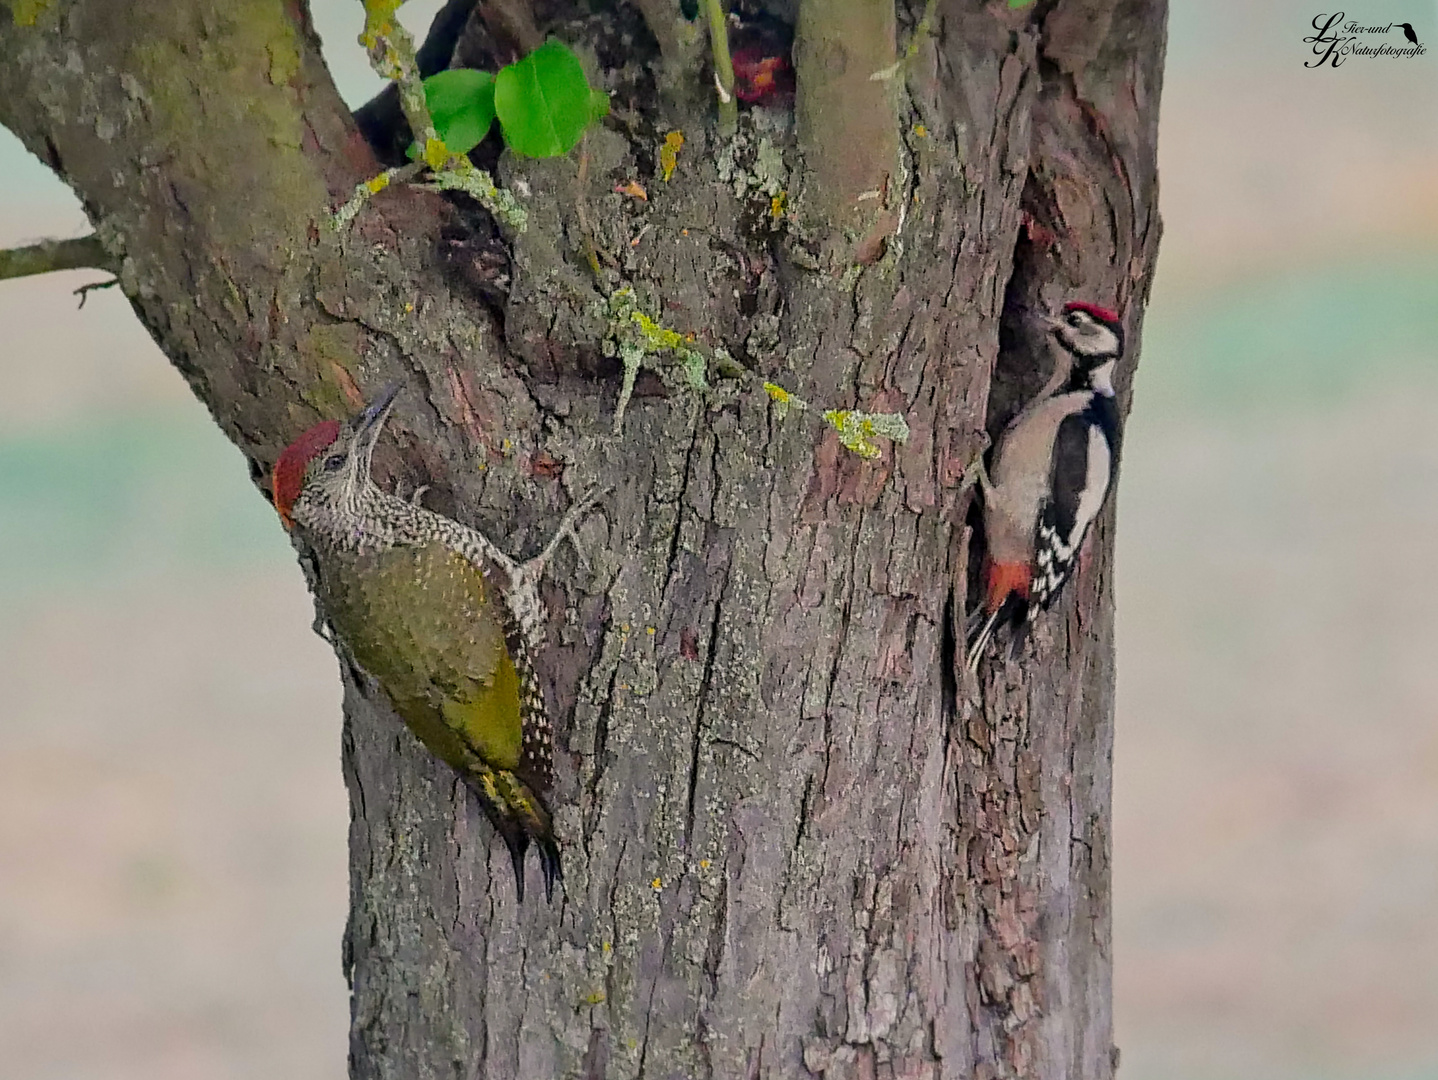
(1075, 319)
(333, 462)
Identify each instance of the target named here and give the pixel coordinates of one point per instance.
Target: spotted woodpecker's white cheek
(1103, 341)
(1102, 379)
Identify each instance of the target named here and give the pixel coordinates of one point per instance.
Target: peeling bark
(796, 844)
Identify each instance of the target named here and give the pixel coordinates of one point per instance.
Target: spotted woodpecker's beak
(369, 424)
(1052, 323)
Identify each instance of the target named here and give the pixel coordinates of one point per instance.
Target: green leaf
(461, 104)
(544, 101)
(598, 105)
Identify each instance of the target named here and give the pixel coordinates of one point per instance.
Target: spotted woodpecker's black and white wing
(1085, 455)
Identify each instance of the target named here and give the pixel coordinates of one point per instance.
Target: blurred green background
(174, 890)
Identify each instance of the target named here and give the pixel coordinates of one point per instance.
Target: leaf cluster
(543, 103)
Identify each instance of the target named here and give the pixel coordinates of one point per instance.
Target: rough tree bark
(796, 842)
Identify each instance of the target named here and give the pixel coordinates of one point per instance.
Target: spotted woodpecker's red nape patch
(1102, 314)
(288, 476)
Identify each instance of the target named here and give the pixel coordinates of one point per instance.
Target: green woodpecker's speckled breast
(419, 619)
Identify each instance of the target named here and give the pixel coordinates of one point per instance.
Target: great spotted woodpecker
(1051, 472)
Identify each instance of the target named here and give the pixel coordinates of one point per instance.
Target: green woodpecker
(413, 597)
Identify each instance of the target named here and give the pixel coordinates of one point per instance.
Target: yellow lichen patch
(669, 154)
(657, 884)
(857, 430)
(777, 204)
(25, 12)
(435, 153)
(284, 60)
(921, 131)
(595, 997)
(378, 20)
(778, 393)
(378, 184)
(783, 400)
(656, 335)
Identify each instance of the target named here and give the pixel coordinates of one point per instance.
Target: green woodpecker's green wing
(422, 621)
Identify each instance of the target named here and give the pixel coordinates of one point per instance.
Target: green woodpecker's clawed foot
(518, 844)
(523, 593)
(535, 566)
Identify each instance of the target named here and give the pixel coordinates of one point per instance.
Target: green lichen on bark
(26, 12)
(638, 341)
(233, 126)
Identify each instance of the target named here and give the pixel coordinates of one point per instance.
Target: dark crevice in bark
(1024, 360)
(950, 660)
(595, 1064)
(705, 691)
(601, 746)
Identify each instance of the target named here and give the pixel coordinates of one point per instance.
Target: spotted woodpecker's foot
(976, 473)
(418, 494)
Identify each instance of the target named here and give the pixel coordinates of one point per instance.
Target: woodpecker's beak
(370, 423)
(378, 410)
(1052, 323)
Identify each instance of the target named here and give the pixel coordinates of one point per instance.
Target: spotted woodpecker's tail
(1011, 612)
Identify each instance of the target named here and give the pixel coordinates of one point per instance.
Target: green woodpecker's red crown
(289, 472)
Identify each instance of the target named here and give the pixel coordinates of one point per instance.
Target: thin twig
(392, 55)
(368, 189)
(84, 291)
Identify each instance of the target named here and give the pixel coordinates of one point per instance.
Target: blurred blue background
(1276, 848)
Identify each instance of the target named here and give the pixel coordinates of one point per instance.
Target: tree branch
(838, 46)
(381, 119)
(51, 255)
(723, 67)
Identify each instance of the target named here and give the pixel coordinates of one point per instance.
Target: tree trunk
(797, 840)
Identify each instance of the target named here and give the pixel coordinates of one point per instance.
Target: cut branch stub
(839, 45)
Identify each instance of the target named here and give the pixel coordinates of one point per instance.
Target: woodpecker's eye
(333, 462)
(1075, 319)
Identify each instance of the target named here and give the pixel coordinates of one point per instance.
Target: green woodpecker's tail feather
(520, 817)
